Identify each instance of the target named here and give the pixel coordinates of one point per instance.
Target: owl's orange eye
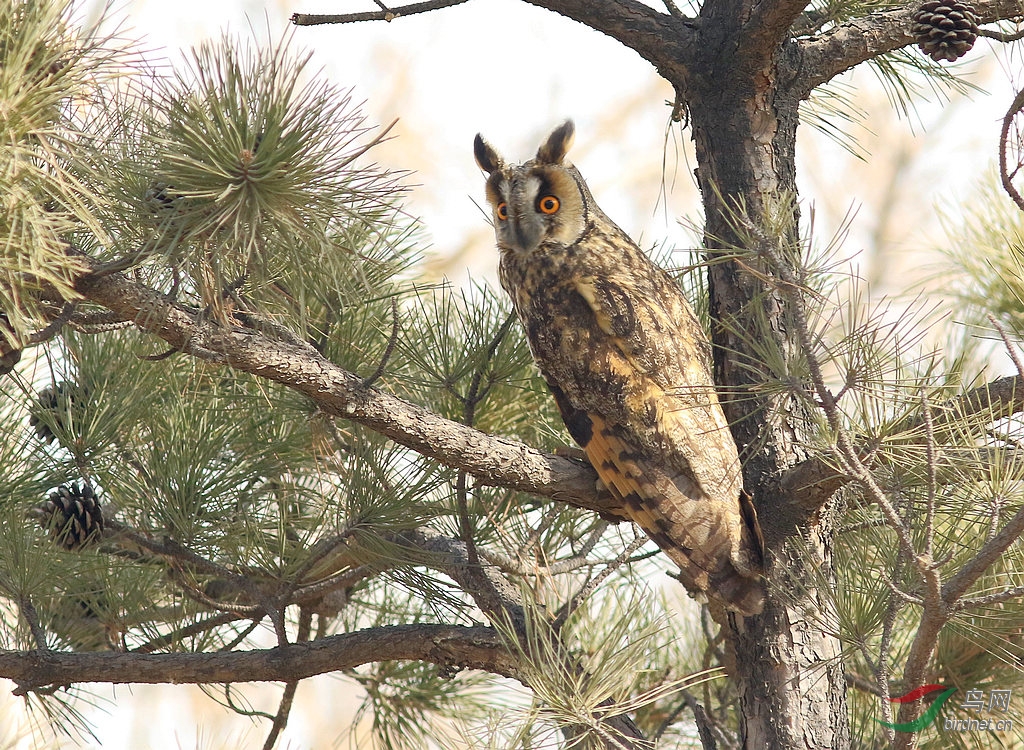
(502, 211)
(548, 204)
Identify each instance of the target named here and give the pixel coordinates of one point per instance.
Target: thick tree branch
(491, 459)
(663, 39)
(450, 646)
(827, 55)
(769, 24)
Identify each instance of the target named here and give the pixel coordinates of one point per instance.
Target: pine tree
(234, 414)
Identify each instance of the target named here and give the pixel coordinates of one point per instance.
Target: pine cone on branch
(72, 515)
(53, 408)
(945, 30)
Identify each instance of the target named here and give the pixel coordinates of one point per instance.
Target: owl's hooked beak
(526, 233)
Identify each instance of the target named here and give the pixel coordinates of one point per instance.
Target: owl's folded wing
(651, 332)
(717, 553)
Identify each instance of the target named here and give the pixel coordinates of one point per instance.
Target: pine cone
(72, 515)
(945, 30)
(53, 407)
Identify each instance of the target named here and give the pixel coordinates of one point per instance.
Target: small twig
(864, 685)
(288, 696)
(670, 719)
(702, 720)
(1006, 177)
(28, 611)
(996, 508)
(382, 135)
(315, 19)
(872, 523)
(574, 562)
(465, 523)
(1001, 36)
(988, 554)
(389, 349)
(317, 553)
(563, 566)
(240, 611)
(54, 326)
(591, 585)
(880, 669)
(242, 711)
(850, 382)
(900, 593)
(545, 523)
(161, 356)
(343, 580)
(930, 461)
(673, 9)
(99, 321)
(242, 635)
(188, 631)
(1011, 350)
(985, 601)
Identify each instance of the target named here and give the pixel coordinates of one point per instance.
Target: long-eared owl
(628, 365)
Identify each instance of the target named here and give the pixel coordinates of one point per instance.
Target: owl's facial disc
(534, 206)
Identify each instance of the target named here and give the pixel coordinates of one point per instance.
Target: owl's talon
(570, 451)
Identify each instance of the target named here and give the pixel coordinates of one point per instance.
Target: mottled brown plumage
(628, 365)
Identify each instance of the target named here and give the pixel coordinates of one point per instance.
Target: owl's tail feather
(718, 553)
(715, 540)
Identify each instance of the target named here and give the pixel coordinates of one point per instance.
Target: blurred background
(891, 184)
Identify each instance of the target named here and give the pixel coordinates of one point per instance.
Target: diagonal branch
(663, 39)
(491, 459)
(827, 55)
(768, 25)
(451, 646)
(956, 586)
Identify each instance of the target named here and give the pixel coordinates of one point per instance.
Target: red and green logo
(929, 715)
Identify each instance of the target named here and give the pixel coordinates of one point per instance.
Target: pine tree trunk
(786, 661)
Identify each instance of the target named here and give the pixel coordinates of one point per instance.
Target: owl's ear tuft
(486, 157)
(554, 149)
